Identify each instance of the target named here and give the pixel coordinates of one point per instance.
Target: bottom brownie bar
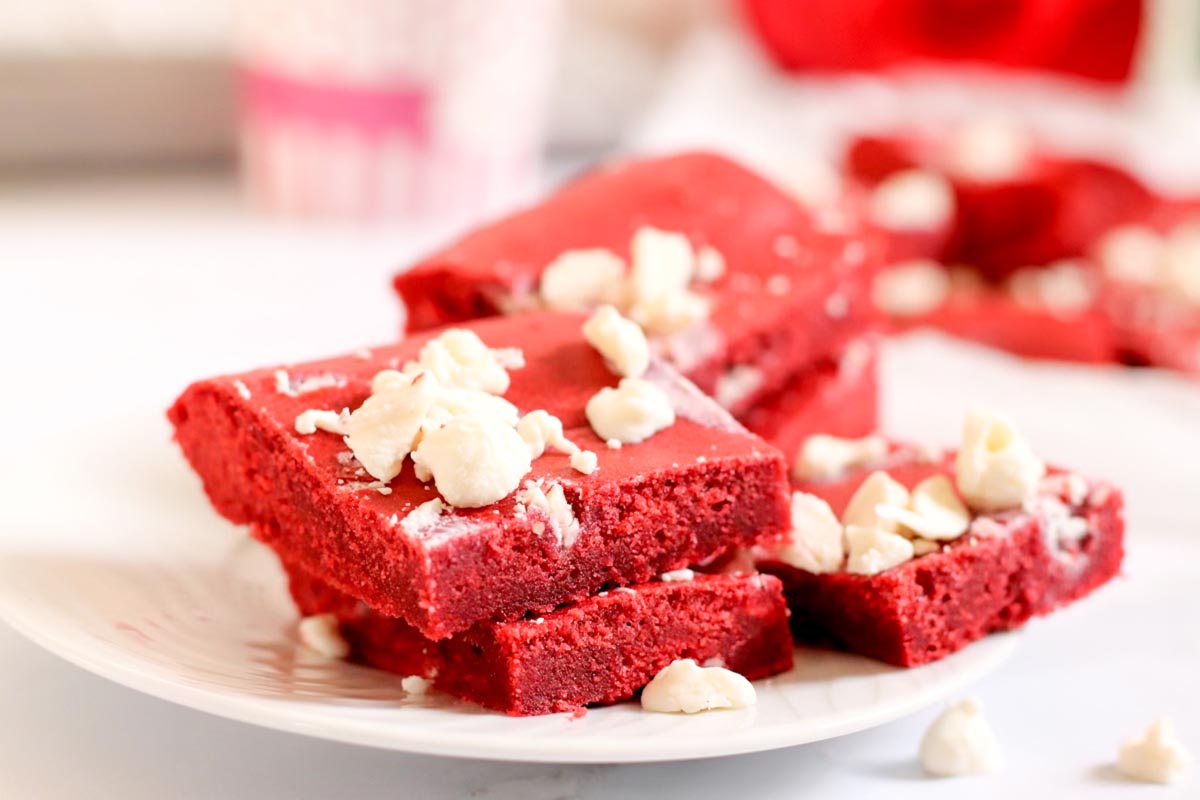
(1062, 542)
(600, 650)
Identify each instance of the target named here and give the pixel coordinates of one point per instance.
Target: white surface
(109, 292)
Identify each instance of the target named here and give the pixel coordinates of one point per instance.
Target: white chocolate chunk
(580, 279)
(459, 359)
(658, 296)
(619, 340)
(1157, 756)
(449, 402)
(736, 384)
(314, 419)
(1131, 254)
(382, 430)
(541, 430)
(677, 575)
(911, 288)
(913, 199)
(817, 542)
(960, 742)
(995, 468)
(584, 461)
(684, 687)
(424, 516)
(554, 505)
(879, 489)
(710, 264)
(632, 412)
(989, 150)
(474, 460)
(320, 633)
(415, 685)
(873, 550)
(824, 457)
(1064, 287)
(933, 512)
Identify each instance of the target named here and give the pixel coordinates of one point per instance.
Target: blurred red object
(1094, 39)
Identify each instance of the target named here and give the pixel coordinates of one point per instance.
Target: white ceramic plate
(149, 588)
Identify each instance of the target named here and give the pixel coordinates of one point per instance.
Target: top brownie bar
(759, 283)
(692, 489)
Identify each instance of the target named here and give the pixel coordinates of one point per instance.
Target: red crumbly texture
(599, 650)
(673, 500)
(838, 397)
(1008, 568)
(761, 232)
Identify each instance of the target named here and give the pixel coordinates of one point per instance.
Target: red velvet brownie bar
(636, 510)
(601, 649)
(760, 291)
(894, 594)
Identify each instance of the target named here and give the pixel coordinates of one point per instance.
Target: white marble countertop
(1079, 682)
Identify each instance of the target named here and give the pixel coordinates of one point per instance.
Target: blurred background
(388, 110)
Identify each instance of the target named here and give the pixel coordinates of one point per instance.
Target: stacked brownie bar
(771, 313)
(994, 238)
(482, 555)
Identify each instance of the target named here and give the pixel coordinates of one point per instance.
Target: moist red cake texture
(793, 293)
(688, 492)
(599, 650)
(1009, 567)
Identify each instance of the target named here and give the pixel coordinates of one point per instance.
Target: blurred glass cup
(370, 109)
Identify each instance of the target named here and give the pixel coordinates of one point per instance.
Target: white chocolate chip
(960, 742)
(415, 685)
(824, 457)
(580, 279)
(736, 384)
(816, 542)
(1064, 287)
(619, 340)
(584, 461)
(684, 687)
(1157, 756)
(995, 468)
(424, 516)
(381, 431)
(458, 358)
(1131, 254)
(474, 460)
(541, 430)
(320, 633)
(314, 419)
(553, 504)
(873, 550)
(933, 511)
(662, 268)
(913, 199)
(632, 412)
(677, 575)
(879, 489)
(911, 288)
(989, 150)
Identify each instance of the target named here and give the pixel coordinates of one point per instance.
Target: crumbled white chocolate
(450, 402)
(911, 288)
(960, 742)
(1157, 756)
(824, 457)
(995, 468)
(1070, 487)
(677, 575)
(710, 264)
(584, 461)
(736, 384)
(242, 390)
(872, 550)
(685, 687)
(381, 431)
(912, 199)
(632, 412)
(581, 279)
(879, 489)
(314, 419)
(1064, 287)
(553, 504)
(415, 685)
(314, 383)
(283, 383)
(424, 516)
(989, 150)
(621, 341)
(1059, 525)
(663, 264)
(474, 460)
(816, 542)
(458, 358)
(541, 430)
(613, 444)
(320, 633)
(933, 511)
(1131, 254)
